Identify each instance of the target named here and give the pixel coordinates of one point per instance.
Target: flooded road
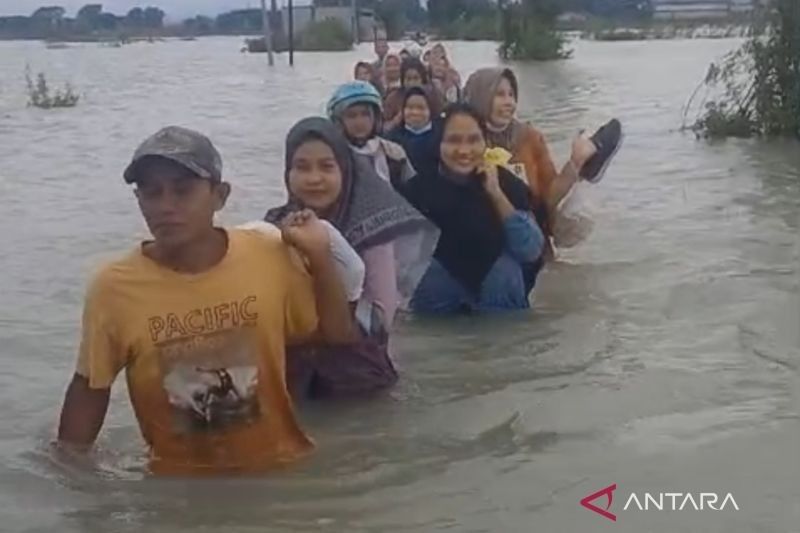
(661, 355)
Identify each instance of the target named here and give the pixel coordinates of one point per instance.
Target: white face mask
(424, 129)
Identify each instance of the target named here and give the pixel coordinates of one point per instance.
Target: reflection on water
(661, 355)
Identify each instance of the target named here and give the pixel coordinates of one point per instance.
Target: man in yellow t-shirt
(199, 318)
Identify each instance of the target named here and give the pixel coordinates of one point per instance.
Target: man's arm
(83, 413)
(101, 357)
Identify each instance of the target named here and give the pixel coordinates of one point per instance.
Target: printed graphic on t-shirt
(205, 396)
(210, 366)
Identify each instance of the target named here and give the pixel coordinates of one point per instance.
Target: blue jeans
(504, 286)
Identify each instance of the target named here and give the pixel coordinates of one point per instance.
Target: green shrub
(327, 35)
(719, 121)
(39, 94)
(476, 28)
(532, 40)
(759, 83)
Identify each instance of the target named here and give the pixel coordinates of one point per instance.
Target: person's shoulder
(396, 135)
(532, 144)
(400, 167)
(257, 229)
(393, 150)
(505, 174)
(435, 92)
(258, 236)
(388, 144)
(511, 182)
(532, 134)
(269, 235)
(394, 94)
(113, 274)
(263, 242)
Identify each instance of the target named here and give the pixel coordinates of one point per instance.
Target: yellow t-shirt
(204, 354)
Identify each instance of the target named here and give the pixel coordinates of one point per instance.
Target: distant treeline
(476, 19)
(91, 21)
(50, 22)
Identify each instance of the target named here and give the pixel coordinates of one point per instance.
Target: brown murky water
(662, 355)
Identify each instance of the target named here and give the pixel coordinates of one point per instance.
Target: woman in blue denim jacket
(490, 247)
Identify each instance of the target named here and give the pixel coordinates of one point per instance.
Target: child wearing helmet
(357, 108)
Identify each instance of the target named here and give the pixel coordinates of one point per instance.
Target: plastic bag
(573, 220)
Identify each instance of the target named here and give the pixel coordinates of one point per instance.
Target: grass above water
(40, 94)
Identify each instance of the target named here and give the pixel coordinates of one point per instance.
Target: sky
(175, 9)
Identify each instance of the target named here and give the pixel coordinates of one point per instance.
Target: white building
(700, 9)
(305, 15)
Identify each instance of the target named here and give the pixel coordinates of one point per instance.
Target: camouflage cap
(185, 147)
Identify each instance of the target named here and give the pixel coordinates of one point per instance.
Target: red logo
(609, 492)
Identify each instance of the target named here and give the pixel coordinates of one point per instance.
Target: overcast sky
(175, 9)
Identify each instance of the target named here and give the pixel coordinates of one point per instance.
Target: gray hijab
(479, 93)
(369, 211)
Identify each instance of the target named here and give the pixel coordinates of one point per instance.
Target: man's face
(381, 48)
(177, 206)
(359, 122)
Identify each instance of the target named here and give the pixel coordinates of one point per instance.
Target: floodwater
(661, 355)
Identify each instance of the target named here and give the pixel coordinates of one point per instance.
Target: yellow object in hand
(497, 156)
(501, 157)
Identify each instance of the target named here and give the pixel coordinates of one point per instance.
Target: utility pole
(291, 33)
(267, 33)
(356, 28)
(503, 7)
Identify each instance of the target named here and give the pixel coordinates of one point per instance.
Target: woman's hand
(304, 231)
(491, 184)
(394, 151)
(582, 150)
(491, 181)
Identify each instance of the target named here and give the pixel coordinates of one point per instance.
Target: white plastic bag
(573, 221)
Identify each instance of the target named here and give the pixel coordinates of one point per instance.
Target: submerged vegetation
(529, 32)
(326, 35)
(526, 29)
(534, 40)
(755, 90)
(483, 27)
(41, 96)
